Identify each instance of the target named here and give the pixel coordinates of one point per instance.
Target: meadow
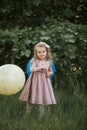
(68, 114)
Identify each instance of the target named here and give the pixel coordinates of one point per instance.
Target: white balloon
(12, 79)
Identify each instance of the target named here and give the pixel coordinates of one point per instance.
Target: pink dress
(38, 88)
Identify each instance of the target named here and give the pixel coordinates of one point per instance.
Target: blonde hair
(48, 57)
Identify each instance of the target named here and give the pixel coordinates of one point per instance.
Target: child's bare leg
(41, 110)
(28, 107)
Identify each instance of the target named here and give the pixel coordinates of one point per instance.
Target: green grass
(68, 114)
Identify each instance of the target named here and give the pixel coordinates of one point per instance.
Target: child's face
(41, 52)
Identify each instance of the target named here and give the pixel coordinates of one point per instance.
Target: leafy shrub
(68, 44)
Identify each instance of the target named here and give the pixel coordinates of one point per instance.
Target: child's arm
(34, 68)
(49, 72)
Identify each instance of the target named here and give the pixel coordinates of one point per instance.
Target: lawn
(68, 114)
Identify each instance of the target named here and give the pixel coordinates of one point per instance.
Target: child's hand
(42, 69)
(48, 73)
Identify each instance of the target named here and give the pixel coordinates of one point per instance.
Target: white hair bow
(43, 43)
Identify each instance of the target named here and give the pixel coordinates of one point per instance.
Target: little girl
(38, 88)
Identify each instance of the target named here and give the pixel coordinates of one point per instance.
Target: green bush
(68, 44)
(33, 12)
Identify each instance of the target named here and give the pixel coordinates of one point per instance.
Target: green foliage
(68, 43)
(14, 45)
(33, 12)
